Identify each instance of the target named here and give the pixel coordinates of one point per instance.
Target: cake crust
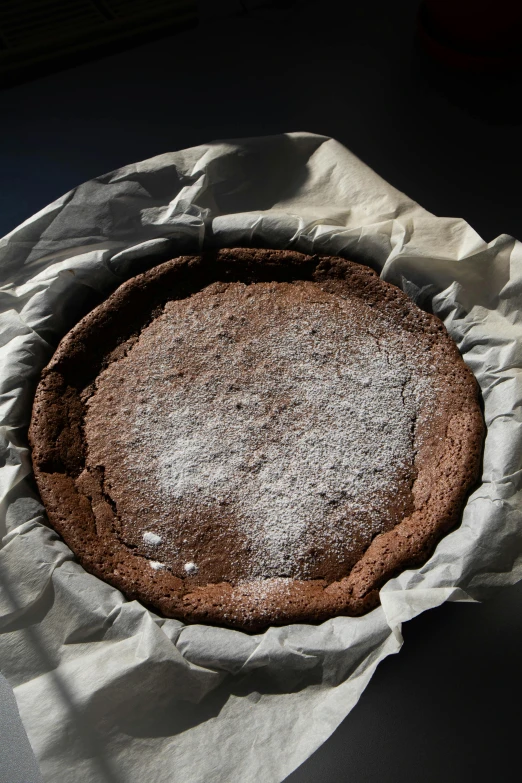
(254, 437)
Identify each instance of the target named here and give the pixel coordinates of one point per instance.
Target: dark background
(447, 707)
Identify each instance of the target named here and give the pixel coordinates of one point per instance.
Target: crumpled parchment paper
(107, 690)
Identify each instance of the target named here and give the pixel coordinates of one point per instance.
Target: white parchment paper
(108, 691)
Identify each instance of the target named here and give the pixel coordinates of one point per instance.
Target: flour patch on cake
(151, 538)
(295, 428)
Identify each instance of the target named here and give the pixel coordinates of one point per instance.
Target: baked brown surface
(255, 437)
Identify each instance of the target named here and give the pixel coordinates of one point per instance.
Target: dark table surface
(447, 707)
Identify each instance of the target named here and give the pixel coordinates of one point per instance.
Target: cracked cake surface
(252, 437)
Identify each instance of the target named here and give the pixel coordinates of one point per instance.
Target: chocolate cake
(255, 437)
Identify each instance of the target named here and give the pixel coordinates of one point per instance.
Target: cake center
(262, 430)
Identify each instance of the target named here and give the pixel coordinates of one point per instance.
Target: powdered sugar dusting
(295, 414)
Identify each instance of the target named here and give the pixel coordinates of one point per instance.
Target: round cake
(252, 437)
